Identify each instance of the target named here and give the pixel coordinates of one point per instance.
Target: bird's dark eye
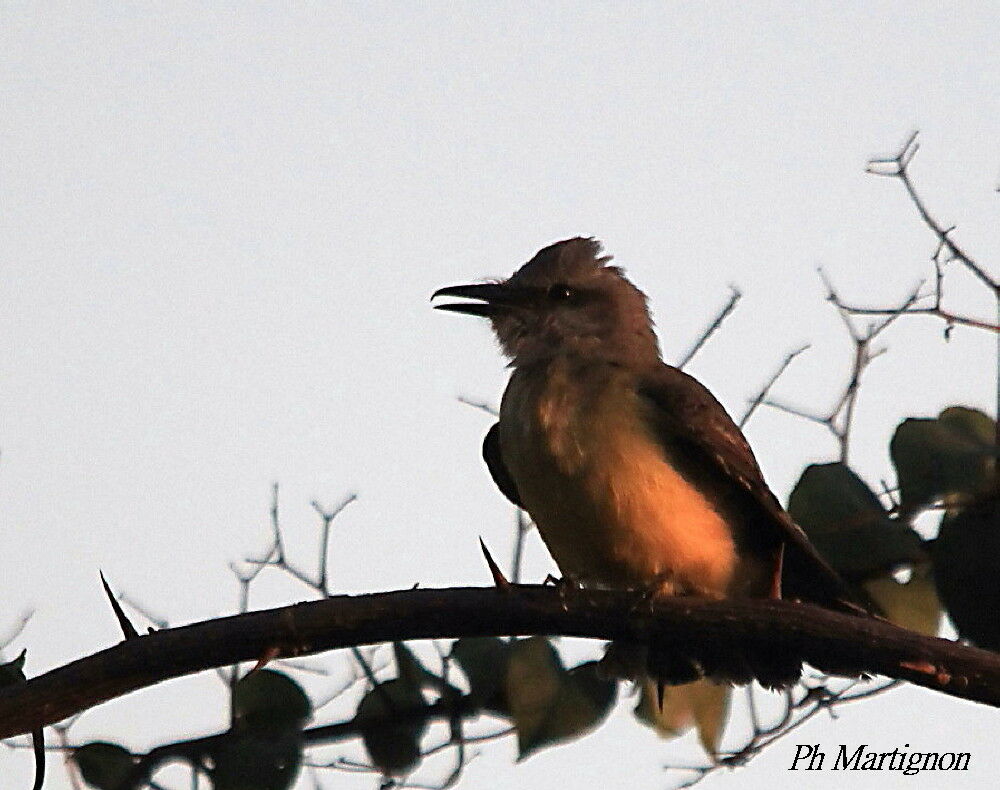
(560, 292)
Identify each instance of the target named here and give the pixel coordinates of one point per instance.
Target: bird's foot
(568, 588)
(663, 585)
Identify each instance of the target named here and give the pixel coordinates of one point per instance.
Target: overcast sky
(220, 225)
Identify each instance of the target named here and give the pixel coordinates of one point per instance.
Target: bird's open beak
(490, 296)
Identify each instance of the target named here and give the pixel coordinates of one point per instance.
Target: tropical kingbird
(634, 474)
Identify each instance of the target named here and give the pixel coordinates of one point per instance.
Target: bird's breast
(601, 487)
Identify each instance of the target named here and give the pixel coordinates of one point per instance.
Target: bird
(634, 474)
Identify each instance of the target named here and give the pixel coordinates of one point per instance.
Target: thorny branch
(818, 636)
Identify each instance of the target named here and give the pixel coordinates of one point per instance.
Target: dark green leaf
(531, 686)
(483, 660)
(408, 667)
(848, 525)
(952, 457)
(548, 704)
(389, 730)
(966, 557)
(257, 759)
(104, 765)
(267, 698)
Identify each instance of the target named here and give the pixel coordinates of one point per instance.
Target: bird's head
(567, 300)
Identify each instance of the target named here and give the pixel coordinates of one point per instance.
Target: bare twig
(279, 546)
(796, 712)
(481, 405)
(840, 419)
(734, 296)
(936, 309)
(522, 525)
(328, 517)
(758, 399)
(275, 555)
(897, 166)
(946, 316)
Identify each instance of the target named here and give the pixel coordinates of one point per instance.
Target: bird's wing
(689, 418)
(494, 462)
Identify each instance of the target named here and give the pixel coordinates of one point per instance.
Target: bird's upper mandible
(567, 300)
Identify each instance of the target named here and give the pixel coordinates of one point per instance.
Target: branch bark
(828, 640)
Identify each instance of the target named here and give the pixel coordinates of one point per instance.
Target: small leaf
(104, 765)
(257, 759)
(483, 660)
(535, 675)
(703, 703)
(391, 738)
(966, 555)
(408, 667)
(913, 604)
(847, 524)
(975, 425)
(267, 698)
(582, 701)
(952, 457)
(263, 749)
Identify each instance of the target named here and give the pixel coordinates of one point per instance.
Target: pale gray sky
(221, 223)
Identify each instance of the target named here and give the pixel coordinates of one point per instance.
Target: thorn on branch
(499, 580)
(270, 653)
(123, 622)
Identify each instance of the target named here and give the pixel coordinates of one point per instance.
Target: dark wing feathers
(494, 462)
(690, 418)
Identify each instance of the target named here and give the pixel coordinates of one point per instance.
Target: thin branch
(823, 638)
(481, 405)
(275, 555)
(72, 769)
(734, 296)
(898, 167)
(521, 527)
(796, 712)
(279, 546)
(758, 399)
(328, 517)
(945, 315)
(840, 419)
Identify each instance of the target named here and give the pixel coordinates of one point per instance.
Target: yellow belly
(600, 488)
